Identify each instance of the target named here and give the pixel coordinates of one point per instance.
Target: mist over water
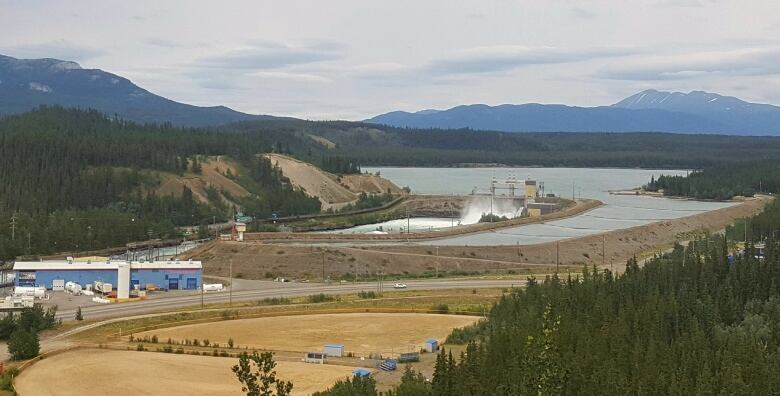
(477, 206)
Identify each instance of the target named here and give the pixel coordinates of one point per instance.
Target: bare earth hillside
(334, 193)
(213, 174)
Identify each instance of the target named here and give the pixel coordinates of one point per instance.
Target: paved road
(272, 289)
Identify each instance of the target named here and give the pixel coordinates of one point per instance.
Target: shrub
(230, 343)
(140, 347)
(154, 339)
(23, 345)
(367, 294)
(320, 298)
(442, 308)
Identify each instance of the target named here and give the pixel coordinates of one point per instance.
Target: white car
(399, 286)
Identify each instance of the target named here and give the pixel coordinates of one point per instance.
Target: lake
(618, 211)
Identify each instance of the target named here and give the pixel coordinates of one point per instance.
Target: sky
(353, 59)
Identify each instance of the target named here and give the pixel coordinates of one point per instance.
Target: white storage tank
(213, 287)
(32, 291)
(73, 288)
(123, 281)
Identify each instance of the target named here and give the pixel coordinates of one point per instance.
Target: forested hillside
(75, 180)
(376, 145)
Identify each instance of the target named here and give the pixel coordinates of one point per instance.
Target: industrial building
(125, 275)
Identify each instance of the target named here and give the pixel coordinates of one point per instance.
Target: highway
(257, 290)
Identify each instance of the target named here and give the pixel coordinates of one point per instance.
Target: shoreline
(581, 206)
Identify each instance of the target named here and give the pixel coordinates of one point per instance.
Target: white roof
(102, 265)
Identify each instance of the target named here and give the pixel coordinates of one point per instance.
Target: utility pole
(323, 266)
(13, 227)
(557, 255)
(202, 290)
(230, 296)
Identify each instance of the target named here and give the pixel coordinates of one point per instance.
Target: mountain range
(29, 83)
(646, 111)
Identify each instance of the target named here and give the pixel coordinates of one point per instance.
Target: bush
(23, 345)
(230, 343)
(367, 294)
(320, 298)
(140, 347)
(274, 301)
(154, 339)
(442, 308)
(6, 379)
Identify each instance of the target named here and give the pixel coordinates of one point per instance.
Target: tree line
(723, 181)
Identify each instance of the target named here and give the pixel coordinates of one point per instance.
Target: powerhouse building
(123, 275)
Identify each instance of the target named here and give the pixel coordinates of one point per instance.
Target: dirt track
(257, 260)
(362, 333)
(106, 372)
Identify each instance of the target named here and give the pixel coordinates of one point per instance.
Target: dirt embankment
(333, 191)
(258, 260)
(213, 174)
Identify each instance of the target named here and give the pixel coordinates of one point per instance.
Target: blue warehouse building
(165, 275)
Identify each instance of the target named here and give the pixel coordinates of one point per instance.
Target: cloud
(293, 77)
(262, 55)
(492, 59)
(747, 61)
(159, 42)
(473, 63)
(582, 13)
(59, 49)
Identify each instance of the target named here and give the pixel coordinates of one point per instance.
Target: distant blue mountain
(29, 83)
(647, 111)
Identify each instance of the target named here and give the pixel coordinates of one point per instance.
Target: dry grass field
(361, 333)
(106, 372)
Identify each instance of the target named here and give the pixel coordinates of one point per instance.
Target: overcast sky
(353, 59)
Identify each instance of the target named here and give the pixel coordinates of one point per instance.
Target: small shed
(431, 345)
(334, 350)
(361, 372)
(314, 357)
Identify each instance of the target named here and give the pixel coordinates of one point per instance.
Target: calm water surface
(618, 211)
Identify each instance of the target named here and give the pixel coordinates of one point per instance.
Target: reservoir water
(618, 211)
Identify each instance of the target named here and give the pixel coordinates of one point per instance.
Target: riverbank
(268, 259)
(578, 207)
